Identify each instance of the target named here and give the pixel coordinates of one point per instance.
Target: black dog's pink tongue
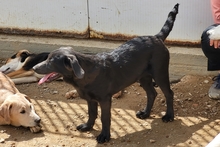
(45, 78)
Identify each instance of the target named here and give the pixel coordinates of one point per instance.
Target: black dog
(97, 77)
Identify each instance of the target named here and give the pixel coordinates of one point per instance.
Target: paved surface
(183, 60)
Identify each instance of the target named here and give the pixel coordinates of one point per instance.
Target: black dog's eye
(22, 112)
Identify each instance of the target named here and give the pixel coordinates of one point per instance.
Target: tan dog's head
(15, 62)
(17, 110)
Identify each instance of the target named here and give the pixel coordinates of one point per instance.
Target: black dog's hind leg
(105, 105)
(148, 86)
(164, 84)
(160, 70)
(92, 111)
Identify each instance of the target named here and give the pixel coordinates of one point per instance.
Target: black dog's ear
(72, 63)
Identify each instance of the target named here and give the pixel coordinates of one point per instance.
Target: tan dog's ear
(24, 96)
(5, 112)
(27, 98)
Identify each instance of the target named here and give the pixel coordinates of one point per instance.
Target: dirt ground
(196, 118)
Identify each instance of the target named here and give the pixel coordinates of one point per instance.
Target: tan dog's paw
(71, 94)
(35, 129)
(117, 95)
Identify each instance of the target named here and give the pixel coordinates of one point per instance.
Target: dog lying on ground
(16, 108)
(97, 77)
(19, 66)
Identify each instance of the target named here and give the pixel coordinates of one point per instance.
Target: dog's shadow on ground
(156, 133)
(161, 134)
(61, 116)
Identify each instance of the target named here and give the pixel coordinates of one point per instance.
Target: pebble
(152, 141)
(162, 101)
(209, 106)
(138, 93)
(214, 109)
(189, 99)
(206, 81)
(195, 105)
(55, 92)
(44, 87)
(162, 113)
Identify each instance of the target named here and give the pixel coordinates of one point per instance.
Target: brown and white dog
(16, 108)
(19, 66)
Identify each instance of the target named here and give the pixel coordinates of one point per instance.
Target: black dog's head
(61, 61)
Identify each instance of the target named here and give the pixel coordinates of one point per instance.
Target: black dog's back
(135, 58)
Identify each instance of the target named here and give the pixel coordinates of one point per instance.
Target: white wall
(45, 15)
(107, 17)
(143, 17)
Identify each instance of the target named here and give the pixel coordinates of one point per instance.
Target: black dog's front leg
(146, 112)
(92, 110)
(106, 121)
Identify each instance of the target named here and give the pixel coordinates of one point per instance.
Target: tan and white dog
(16, 108)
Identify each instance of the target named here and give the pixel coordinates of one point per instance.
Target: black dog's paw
(103, 137)
(84, 127)
(142, 114)
(167, 118)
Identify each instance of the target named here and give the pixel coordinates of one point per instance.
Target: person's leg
(215, 7)
(213, 56)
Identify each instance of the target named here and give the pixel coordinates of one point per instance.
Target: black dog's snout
(35, 67)
(41, 68)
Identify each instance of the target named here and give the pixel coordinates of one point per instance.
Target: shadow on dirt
(60, 117)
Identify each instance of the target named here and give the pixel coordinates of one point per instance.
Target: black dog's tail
(167, 27)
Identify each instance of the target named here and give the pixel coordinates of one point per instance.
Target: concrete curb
(183, 60)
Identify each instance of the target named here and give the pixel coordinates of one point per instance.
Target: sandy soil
(196, 118)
